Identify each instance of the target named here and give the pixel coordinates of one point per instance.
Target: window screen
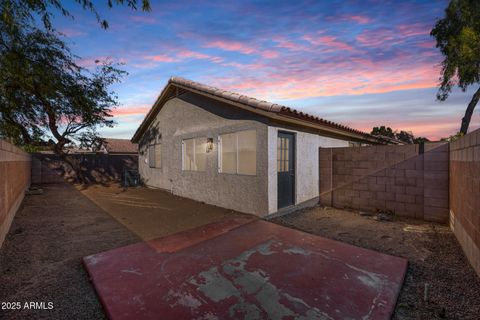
(229, 153)
(247, 152)
(151, 156)
(200, 154)
(238, 152)
(194, 154)
(158, 155)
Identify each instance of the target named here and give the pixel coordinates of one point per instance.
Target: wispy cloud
(280, 51)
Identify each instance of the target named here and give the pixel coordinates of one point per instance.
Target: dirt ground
(40, 260)
(436, 260)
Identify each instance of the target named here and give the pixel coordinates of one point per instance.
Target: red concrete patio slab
(247, 270)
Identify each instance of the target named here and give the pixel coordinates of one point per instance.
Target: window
(283, 164)
(194, 154)
(151, 156)
(158, 155)
(238, 153)
(155, 155)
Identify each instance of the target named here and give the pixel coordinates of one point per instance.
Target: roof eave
(269, 114)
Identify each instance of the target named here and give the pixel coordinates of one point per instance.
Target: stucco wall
(306, 164)
(14, 179)
(194, 116)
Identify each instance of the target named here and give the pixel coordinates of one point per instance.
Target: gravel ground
(436, 260)
(40, 261)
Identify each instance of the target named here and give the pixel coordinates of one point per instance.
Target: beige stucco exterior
(192, 116)
(179, 120)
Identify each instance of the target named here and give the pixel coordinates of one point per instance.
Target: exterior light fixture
(209, 144)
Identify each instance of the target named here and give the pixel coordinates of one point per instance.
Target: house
(118, 146)
(235, 151)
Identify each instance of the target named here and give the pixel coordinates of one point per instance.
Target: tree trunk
(468, 113)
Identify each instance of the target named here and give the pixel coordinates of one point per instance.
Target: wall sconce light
(209, 144)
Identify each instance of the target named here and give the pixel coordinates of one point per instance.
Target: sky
(359, 63)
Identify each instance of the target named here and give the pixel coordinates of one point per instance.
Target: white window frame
(219, 142)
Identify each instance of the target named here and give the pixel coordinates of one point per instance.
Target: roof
(177, 86)
(120, 146)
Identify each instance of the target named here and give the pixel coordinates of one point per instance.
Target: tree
(45, 97)
(14, 11)
(402, 135)
(383, 131)
(458, 38)
(45, 94)
(405, 136)
(420, 140)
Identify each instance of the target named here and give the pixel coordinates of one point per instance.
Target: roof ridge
(259, 104)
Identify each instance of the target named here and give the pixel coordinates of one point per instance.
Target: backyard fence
(465, 195)
(409, 180)
(434, 182)
(96, 167)
(14, 180)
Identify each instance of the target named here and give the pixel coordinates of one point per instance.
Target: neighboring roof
(177, 86)
(120, 146)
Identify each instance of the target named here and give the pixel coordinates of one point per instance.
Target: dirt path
(435, 259)
(40, 259)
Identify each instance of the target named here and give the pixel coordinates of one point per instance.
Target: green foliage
(454, 137)
(419, 140)
(458, 38)
(383, 131)
(13, 12)
(404, 136)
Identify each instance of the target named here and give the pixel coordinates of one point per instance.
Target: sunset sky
(360, 63)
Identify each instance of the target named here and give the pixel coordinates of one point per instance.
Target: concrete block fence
(465, 195)
(410, 180)
(14, 180)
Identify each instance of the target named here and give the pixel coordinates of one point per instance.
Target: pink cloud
(131, 110)
(186, 54)
(242, 48)
(160, 58)
(269, 54)
(230, 46)
(283, 42)
(329, 41)
(389, 36)
(296, 80)
(359, 19)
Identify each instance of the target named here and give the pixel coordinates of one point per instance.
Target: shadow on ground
(40, 260)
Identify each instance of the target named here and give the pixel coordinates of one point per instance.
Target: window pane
(188, 163)
(200, 154)
(158, 156)
(151, 156)
(247, 152)
(229, 155)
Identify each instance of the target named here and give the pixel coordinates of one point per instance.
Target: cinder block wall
(14, 179)
(406, 180)
(465, 195)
